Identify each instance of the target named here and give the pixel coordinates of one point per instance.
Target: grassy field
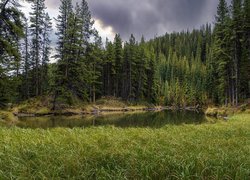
(207, 151)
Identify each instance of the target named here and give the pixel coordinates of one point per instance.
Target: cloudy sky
(144, 17)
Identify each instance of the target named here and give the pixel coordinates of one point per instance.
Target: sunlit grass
(208, 151)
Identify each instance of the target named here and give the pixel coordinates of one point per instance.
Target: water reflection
(148, 119)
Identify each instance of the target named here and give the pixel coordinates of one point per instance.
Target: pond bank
(95, 110)
(225, 112)
(217, 112)
(42, 106)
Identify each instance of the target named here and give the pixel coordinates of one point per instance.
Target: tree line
(210, 65)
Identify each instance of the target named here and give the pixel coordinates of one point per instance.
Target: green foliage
(188, 68)
(74, 75)
(229, 63)
(181, 78)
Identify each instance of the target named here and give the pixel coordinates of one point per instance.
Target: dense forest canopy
(209, 65)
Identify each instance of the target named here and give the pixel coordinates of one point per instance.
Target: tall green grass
(207, 151)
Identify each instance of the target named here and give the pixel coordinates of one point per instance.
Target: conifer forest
(209, 65)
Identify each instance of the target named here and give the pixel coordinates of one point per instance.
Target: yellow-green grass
(7, 116)
(207, 151)
(227, 111)
(43, 106)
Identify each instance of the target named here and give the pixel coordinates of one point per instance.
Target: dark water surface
(125, 120)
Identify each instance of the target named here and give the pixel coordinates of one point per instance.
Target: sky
(142, 17)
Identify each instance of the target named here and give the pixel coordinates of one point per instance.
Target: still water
(125, 120)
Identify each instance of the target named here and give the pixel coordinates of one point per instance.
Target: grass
(207, 151)
(7, 116)
(43, 106)
(39, 105)
(227, 111)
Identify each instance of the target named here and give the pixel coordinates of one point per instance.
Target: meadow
(218, 150)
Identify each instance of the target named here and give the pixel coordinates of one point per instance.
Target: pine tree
(11, 32)
(47, 29)
(25, 94)
(221, 53)
(65, 26)
(73, 73)
(87, 23)
(108, 70)
(245, 61)
(65, 9)
(151, 82)
(141, 66)
(36, 28)
(132, 68)
(118, 64)
(11, 28)
(95, 60)
(125, 72)
(236, 39)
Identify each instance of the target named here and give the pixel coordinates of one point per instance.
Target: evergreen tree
(245, 61)
(65, 10)
(11, 32)
(47, 29)
(132, 68)
(73, 73)
(108, 70)
(141, 66)
(236, 38)
(36, 28)
(95, 60)
(25, 93)
(118, 64)
(221, 53)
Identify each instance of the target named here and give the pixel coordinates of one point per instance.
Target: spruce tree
(25, 94)
(245, 61)
(65, 10)
(11, 32)
(221, 53)
(236, 38)
(118, 64)
(73, 80)
(95, 60)
(47, 29)
(108, 70)
(36, 28)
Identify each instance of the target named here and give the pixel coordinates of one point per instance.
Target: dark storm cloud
(150, 17)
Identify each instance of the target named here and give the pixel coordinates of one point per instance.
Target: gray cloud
(149, 17)
(152, 18)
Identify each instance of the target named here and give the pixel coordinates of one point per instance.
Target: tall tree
(245, 61)
(108, 70)
(25, 94)
(118, 64)
(11, 32)
(47, 29)
(74, 31)
(36, 28)
(65, 9)
(221, 53)
(236, 24)
(95, 60)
